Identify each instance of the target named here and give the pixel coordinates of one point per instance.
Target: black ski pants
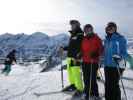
(90, 69)
(112, 78)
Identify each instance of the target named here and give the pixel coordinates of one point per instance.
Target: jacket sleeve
(123, 48)
(80, 38)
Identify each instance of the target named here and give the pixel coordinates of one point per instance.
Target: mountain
(39, 45)
(36, 45)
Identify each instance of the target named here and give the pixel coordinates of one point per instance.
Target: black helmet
(74, 22)
(112, 24)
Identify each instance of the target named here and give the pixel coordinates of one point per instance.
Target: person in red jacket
(91, 49)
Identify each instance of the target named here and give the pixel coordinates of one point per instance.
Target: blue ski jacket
(114, 45)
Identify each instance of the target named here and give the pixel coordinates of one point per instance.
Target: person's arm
(80, 38)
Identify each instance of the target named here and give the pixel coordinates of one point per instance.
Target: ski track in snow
(22, 84)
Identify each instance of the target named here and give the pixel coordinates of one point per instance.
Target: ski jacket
(114, 45)
(91, 45)
(73, 47)
(10, 58)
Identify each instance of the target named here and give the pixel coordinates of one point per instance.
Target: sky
(52, 16)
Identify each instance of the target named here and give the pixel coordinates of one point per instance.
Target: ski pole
(118, 66)
(102, 78)
(122, 82)
(116, 58)
(62, 78)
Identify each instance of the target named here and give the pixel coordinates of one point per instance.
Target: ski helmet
(112, 25)
(76, 22)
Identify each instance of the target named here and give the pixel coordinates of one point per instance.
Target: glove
(130, 61)
(116, 58)
(75, 62)
(94, 55)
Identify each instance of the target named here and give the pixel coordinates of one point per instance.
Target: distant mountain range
(38, 45)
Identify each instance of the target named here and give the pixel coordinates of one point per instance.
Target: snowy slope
(23, 82)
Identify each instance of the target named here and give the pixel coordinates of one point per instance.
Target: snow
(24, 81)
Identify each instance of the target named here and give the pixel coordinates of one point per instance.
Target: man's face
(73, 27)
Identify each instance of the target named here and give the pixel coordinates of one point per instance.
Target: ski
(46, 93)
(51, 93)
(102, 96)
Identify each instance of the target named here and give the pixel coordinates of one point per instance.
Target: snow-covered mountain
(39, 45)
(32, 46)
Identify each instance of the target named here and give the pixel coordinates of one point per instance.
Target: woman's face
(110, 30)
(88, 30)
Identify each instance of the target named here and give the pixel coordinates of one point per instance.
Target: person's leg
(8, 69)
(77, 78)
(71, 87)
(112, 89)
(86, 78)
(94, 85)
(117, 92)
(108, 85)
(69, 71)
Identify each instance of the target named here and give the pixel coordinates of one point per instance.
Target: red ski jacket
(91, 45)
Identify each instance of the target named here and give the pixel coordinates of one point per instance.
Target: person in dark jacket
(91, 50)
(115, 52)
(10, 58)
(73, 49)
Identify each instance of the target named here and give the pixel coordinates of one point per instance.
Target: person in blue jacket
(115, 52)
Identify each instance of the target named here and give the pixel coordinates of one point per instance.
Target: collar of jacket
(76, 32)
(90, 36)
(113, 36)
